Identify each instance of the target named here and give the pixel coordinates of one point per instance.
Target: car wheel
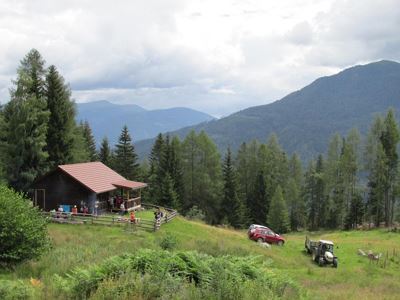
(280, 243)
(335, 263)
(321, 262)
(260, 240)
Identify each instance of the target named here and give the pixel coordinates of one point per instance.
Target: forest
(356, 182)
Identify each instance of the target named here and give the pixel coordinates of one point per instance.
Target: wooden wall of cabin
(61, 189)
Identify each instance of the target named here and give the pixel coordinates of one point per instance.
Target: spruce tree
(202, 174)
(390, 138)
(278, 218)
(3, 134)
(155, 176)
(90, 141)
(168, 195)
(105, 155)
(232, 207)
(258, 205)
(125, 162)
(295, 201)
(26, 118)
(62, 119)
(80, 150)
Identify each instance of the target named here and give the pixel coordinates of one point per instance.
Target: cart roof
(326, 242)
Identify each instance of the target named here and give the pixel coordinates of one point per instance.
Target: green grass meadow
(356, 277)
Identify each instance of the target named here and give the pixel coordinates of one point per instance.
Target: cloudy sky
(218, 56)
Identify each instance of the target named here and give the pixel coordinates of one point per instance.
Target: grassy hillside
(356, 276)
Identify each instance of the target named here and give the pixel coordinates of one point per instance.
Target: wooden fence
(113, 220)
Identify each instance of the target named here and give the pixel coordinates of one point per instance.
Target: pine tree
(258, 205)
(80, 150)
(390, 138)
(26, 118)
(232, 207)
(278, 218)
(168, 195)
(62, 119)
(295, 201)
(105, 155)
(90, 141)
(3, 134)
(125, 162)
(202, 174)
(155, 176)
(275, 167)
(176, 170)
(349, 167)
(334, 183)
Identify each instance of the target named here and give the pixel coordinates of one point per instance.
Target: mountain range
(305, 120)
(107, 119)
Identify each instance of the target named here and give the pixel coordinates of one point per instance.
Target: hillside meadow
(86, 246)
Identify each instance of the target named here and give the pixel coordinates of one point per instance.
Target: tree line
(356, 181)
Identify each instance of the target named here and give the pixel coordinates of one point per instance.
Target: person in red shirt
(74, 210)
(133, 220)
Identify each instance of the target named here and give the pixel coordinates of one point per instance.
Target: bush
(23, 231)
(13, 290)
(195, 213)
(150, 274)
(168, 242)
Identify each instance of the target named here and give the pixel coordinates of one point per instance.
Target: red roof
(98, 177)
(130, 184)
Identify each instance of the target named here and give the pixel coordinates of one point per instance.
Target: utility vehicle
(321, 252)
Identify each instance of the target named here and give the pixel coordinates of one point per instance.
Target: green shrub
(150, 274)
(168, 242)
(195, 213)
(14, 290)
(23, 231)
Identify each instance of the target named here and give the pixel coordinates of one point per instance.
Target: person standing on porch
(122, 208)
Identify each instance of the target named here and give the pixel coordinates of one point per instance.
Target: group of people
(116, 202)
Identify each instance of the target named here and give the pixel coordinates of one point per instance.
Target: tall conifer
(125, 162)
(62, 119)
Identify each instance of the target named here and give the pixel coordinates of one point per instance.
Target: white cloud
(216, 56)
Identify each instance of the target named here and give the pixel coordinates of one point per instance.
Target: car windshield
(328, 247)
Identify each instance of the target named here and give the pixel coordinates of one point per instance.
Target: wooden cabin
(91, 184)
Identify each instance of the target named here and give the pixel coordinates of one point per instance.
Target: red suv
(261, 233)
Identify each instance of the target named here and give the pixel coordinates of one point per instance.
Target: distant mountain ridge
(306, 119)
(107, 119)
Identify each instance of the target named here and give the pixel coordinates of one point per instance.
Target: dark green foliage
(168, 242)
(105, 154)
(258, 203)
(232, 207)
(155, 173)
(26, 118)
(125, 162)
(390, 138)
(278, 218)
(295, 201)
(80, 151)
(3, 147)
(169, 275)
(90, 143)
(62, 119)
(202, 175)
(23, 232)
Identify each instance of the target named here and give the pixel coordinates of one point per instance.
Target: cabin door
(40, 198)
